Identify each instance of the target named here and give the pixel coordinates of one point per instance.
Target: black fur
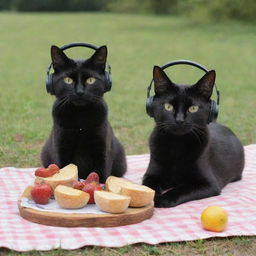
(81, 133)
(189, 159)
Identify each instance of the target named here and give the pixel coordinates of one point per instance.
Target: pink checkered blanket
(181, 223)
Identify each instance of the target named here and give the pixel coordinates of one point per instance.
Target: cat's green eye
(193, 109)
(68, 80)
(168, 107)
(90, 80)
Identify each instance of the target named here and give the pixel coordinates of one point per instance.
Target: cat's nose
(80, 89)
(179, 118)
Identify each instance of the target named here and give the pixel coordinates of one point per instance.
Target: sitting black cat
(81, 133)
(189, 159)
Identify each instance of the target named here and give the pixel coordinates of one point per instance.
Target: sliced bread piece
(111, 202)
(70, 198)
(114, 184)
(140, 195)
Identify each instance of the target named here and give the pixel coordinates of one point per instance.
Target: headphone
(214, 106)
(49, 77)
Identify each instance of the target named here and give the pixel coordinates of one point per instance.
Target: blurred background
(219, 34)
(217, 9)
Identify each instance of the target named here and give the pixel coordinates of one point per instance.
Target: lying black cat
(189, 159)
(81, 133)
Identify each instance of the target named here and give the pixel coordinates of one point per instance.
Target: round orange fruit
(214, 218)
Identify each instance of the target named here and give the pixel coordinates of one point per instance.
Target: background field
(135, 43)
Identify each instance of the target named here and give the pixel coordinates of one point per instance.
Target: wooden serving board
(130, 216)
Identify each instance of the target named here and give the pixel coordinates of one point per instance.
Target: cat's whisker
(62, 104)
(163, 126)
(199, 131)
(96, 98)
(197, 136)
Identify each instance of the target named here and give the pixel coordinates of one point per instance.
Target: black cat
(81, 133)
(189, 159)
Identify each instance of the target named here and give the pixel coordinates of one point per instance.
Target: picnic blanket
(181, 223)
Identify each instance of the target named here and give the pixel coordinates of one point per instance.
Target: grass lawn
(135, 44)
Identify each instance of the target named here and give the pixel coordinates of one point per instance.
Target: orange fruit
(214, 218)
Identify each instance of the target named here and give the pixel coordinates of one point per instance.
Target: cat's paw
(161, 202)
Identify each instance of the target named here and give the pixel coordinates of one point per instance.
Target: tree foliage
(214, 9)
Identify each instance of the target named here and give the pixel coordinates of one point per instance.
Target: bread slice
(70, 198)
(66, 176)
(114, 184)
(111, 202)
(140, 195)
(27, 192)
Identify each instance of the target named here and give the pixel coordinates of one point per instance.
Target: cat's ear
(205, 85)
(59, 59)
(99, 58)
(161, 81)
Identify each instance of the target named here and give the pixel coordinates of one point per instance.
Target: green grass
(135, 44)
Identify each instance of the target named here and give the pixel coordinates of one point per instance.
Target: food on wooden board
(47, 172)
(41, 193)
(70, 198)
(118, 192)
(90, 188)
(111, 202)
(140, 195)
(65, 176)
(89, 185)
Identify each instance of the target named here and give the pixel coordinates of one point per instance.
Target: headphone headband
(186, 62)
(71, 45)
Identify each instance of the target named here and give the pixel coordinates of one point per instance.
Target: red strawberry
(93, 176)
(90, 188)
(41, 193)
(78, 185)
(54, 168)
(42, 172)
(47, 172)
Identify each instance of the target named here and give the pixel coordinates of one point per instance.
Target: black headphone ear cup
(214, 110)
(108, 81)
(49, 84)
(149, 106)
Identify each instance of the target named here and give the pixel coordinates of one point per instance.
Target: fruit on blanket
(41, 193)
(90, 188)
(111, 202)
(65, 176)
(214, 218)
(70, 198)
(47, 172)
(93, 176)
(140, 195)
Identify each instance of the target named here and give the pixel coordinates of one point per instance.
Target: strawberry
(54, 168)
(90, 188)
(78, 185)
(47, 172)
(93, 176)
(41, 172)
(41, 193)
